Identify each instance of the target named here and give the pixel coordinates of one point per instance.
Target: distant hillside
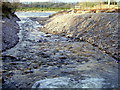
(48, 5)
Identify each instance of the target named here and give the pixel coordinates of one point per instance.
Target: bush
(8, 8)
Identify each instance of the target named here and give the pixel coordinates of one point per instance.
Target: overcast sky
(54, 0)
(57, 0)
(49, 0)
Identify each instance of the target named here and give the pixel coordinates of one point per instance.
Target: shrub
(8, 8)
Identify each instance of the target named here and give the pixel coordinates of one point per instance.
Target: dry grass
(99, 8)
(104, 6)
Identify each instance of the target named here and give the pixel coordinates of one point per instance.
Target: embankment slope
(9, 32)
(99, 29)
(10, 28)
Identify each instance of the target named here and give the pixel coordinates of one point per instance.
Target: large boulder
(99, 29)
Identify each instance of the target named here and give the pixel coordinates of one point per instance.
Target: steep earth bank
(100, 30)
(9, 32)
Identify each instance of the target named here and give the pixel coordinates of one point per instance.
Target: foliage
(41, 9)
(45, 6)
(8, 8)
(48, 5)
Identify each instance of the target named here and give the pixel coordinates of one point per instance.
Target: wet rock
(83, 62)
(62, 57)
(44, 55)
(10, 85)
(10, 73)
(68, 70)
(6, 58)
(47, 35)
(42, 40)
(52, 63)
(28, 71)
(63, 39)
(35, 66)
(39, 41)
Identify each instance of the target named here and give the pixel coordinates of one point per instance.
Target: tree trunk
(109, 3)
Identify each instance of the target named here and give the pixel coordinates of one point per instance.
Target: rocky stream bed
(42, 60)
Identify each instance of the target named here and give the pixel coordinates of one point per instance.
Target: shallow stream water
(56, 61)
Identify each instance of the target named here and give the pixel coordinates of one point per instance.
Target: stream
(54, 61)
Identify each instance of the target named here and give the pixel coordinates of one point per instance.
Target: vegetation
(50, 6)
(8, 8)
(40, 9)
(45, 6)
(85, 5)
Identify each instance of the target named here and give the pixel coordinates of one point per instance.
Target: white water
(35, 14)
(65, 82)
(30, 35)
(29, 26)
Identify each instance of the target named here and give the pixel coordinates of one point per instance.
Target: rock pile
(100, 30)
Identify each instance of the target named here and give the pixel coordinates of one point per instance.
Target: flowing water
(34, 14)
(41, 56)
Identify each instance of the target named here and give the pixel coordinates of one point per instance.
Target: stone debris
(58, 62)
(100, 30)
(9, 32)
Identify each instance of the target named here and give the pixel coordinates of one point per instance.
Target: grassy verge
(41, 9)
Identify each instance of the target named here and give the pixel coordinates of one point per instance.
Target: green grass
(41, 9)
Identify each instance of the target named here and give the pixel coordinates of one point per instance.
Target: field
(102, 7)
(41, 9)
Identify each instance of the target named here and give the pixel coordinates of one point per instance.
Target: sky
(49, 0)
(54, 0)
(57, 0)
